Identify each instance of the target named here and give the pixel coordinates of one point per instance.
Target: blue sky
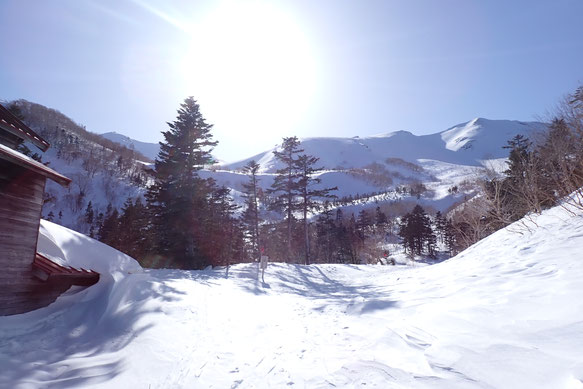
(262, 70)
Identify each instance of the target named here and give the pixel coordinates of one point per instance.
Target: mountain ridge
(467, 143)
(148, 149)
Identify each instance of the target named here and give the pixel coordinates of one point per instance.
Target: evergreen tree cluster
(190, 222)
(191, 219)
(417, 233)
(186, 221)
(342, 239)
(296, 190)
(127, 230)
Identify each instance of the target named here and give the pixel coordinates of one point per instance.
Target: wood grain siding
(21, 196)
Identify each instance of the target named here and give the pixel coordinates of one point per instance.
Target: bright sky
(261, 70)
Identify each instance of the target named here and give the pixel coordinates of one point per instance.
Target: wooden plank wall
(21, 196)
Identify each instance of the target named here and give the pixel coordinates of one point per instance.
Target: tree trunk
(256, 226)
(306, 233)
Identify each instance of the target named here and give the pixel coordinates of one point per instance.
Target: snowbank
(70, 248)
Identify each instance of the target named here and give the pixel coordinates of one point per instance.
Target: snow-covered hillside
(464, 144)
(436, 171)
(102, 171)
(506, 313)
(378, 168)
(150, 150)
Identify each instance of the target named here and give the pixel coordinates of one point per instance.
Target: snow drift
(506, 313)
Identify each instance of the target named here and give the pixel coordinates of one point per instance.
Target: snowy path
(508, 313)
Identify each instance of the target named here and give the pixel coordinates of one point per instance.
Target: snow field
(506, 313)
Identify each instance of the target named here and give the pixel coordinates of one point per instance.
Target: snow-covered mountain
(466, 144)
(374, 168)
(506, 313)
(149, 150)
(434, 170)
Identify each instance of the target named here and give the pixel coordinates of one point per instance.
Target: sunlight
(252, 68)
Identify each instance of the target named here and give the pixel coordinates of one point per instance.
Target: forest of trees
(189, 222)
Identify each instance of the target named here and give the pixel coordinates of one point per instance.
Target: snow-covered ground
(506, 313)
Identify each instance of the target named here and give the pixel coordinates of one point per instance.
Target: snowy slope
(506, 313)
(464, 144)
(149, 150)
(101, 189)
(452, 158)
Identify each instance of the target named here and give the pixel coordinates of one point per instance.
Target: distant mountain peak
(391, 134)
(149, 150)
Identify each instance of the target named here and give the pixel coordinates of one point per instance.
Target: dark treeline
(190, 222)
(416, 189)
(185, 221)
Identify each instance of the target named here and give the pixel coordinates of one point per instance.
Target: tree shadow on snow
(52, 346)
(313, 283)
(248, 277)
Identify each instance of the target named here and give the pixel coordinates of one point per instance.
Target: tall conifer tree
(178, 198)
(310, 197)
(250, 217)
(286, 184)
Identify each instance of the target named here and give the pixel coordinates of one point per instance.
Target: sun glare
(252, 68)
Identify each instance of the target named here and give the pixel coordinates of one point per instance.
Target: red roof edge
(12, 124)
(47, 270)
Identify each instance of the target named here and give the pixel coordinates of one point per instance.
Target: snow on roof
(12, 124)
(14, 156)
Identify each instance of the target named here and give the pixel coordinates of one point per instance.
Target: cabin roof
(17, 158)
(13, 125)
(47, 270)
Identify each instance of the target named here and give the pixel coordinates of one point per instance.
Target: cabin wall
(21, 197)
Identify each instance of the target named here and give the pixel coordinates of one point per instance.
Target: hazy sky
(261, 70)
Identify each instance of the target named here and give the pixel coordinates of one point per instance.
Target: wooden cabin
(27, 281)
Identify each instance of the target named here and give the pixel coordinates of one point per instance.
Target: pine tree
(523, 183)
(132, 227)
(221, 229)
(109, 231)
(286, 184)
(178, 198)
(450, 237)
(89, 214)
(363, 226)
(519, 147)
(416, 233)
(325, 229)
(440, 226)
(250, 217)
(353, 240)
(381, 221)
(310, 197)
(429, 237)
(342, 239)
